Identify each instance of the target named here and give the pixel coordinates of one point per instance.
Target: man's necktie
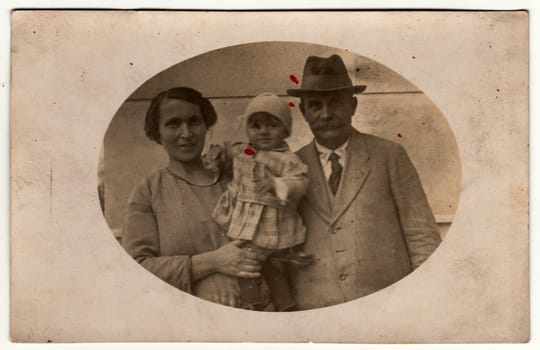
(335, 176)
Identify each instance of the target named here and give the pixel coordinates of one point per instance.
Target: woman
(169, 228)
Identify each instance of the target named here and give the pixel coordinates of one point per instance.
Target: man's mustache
(328, 124)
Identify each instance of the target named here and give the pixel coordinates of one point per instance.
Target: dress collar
(192, 182)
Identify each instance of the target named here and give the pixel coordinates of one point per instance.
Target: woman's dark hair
(151, 122)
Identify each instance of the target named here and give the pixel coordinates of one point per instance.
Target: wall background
(391, 107)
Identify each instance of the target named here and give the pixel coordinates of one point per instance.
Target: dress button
(343, 276)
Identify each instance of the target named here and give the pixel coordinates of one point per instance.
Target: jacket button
(334, 230)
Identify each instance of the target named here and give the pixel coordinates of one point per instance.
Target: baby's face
(266, 132)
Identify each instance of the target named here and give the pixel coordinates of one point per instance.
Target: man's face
(329, 115)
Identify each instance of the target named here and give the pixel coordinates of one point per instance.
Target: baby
(260, 204)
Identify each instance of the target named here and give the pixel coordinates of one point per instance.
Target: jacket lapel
(354, 176)
(317, 195)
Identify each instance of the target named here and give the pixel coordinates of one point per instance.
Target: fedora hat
(325, 74)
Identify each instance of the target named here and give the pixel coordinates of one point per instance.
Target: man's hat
(325, 74)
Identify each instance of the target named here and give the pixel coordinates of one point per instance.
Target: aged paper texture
(81, 81)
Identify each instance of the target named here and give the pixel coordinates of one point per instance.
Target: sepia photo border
(467, 264)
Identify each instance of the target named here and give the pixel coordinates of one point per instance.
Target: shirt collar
(324, 152)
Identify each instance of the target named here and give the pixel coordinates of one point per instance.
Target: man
(368, 220)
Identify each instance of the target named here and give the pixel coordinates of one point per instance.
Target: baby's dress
(269, 221)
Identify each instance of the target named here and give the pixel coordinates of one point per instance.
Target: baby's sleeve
(293, 182)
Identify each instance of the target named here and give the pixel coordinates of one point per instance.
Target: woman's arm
(140, 238)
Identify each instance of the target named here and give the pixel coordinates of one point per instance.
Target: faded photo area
(279, 176)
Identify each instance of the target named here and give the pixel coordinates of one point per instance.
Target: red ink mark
(293, 78)
(249, 152)
(131, 63)
(399, 135)
(413, 57)
(291, 104)
(498, 90)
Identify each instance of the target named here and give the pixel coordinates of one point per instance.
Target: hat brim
(299, 92)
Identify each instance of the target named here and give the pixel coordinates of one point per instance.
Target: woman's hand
(219, 288)
(230, 259)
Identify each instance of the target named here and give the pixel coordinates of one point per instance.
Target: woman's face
(182, 130)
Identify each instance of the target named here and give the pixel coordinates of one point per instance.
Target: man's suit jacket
(376, 230)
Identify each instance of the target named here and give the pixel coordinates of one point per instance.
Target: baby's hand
(218, 158)
(264, 185)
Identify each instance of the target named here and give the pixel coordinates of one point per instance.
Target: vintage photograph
(279, 176)
(272, 177)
